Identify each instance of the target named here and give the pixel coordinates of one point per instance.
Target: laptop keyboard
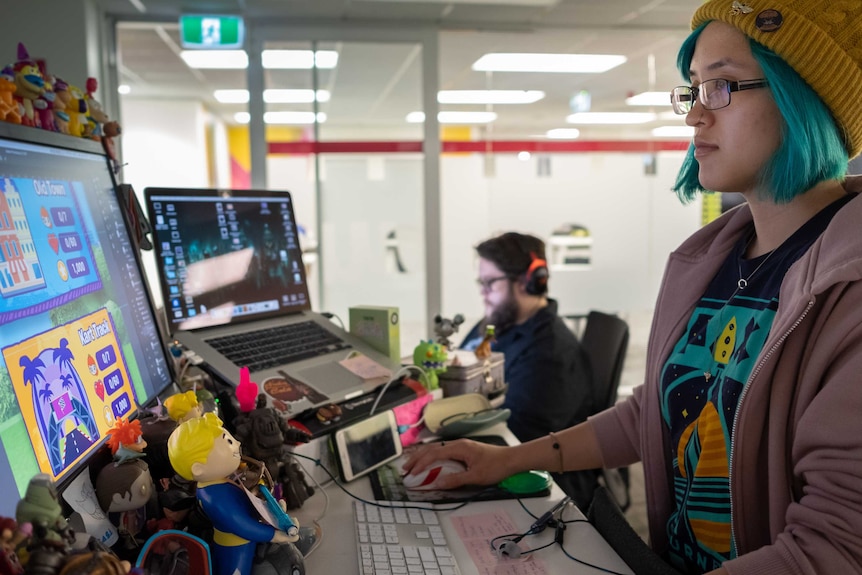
(395, 540)
(271, 347)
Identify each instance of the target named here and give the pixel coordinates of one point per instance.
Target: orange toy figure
(483, 350)
(126, 440)
(30, 86)
(10, 110)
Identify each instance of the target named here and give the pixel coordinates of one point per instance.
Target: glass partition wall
(338, 137)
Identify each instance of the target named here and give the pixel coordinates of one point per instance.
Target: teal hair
(811, 150)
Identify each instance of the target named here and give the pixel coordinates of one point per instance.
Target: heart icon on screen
(54, 242)
(100, 389)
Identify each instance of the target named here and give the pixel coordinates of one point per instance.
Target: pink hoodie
(796, 456)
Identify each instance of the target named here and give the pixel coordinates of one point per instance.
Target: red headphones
(536, 277)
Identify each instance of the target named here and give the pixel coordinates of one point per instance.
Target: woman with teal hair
(748, 423)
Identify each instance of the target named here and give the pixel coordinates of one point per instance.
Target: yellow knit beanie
(820, 39)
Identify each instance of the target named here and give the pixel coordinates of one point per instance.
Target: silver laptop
(234, 291)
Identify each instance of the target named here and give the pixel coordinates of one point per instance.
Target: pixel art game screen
(79, 346)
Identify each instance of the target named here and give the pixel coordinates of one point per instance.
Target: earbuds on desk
(508, 549)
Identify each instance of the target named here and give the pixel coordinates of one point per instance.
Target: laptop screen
(79, 343)
(226, 256)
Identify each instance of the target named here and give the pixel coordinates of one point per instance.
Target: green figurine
(431, 357)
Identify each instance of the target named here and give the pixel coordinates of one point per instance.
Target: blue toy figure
(200, 449)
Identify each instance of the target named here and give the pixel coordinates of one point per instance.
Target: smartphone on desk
(366, 445)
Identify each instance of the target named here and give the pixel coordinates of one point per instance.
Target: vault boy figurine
(201, 450)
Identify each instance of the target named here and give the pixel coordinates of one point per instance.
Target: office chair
(605, 341)
(608, 519)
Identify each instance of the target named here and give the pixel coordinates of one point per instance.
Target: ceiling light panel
(618, 118)
(649, 99)
(454, 117)
(272, 96)
(563, 133)
(215, 59)
(489, 96)
(293, 117)
(298, 59)
(548, 63)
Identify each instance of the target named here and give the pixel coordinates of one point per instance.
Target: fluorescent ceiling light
(298, 59)
(231, 96)
(673, 132)
(649, 99)
(272, 96)
(271, 59)
(455, 117)
(293, 117)
(563, 133)
(215, 59)
(571, 63)
(489, 96)
(670, 116)
(610, 118)
(124, 88)
(282, 117)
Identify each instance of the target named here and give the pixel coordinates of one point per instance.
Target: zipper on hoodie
(754, 373)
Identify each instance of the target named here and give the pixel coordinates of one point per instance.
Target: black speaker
(536, 278)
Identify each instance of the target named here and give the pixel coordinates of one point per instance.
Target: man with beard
(547, 371)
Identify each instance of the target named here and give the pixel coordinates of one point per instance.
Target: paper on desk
(81, 497)
(476, 532)
(366, 368)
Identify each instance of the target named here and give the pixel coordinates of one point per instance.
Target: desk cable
(401, 372)
(330, 315)
(560, 527)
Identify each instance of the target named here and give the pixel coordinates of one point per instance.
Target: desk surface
(337, 552)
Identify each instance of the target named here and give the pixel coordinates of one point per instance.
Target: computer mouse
(428, 479)
(527, 482)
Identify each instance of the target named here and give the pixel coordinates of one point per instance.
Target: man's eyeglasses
(488, 284)
(712, 94)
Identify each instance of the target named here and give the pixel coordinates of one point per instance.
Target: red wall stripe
(501, 146)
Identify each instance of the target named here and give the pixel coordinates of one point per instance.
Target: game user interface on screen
(79, 344)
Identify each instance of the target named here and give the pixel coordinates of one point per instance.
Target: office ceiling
(376, 84)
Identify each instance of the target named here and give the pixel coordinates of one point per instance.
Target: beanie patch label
(769, 21)
(740, 8)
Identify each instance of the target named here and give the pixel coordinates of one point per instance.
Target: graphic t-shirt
(702, 383)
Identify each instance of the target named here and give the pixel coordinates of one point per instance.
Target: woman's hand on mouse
(486, 464)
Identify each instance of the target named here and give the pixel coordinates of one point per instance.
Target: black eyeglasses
(488, 284)
(712, 94)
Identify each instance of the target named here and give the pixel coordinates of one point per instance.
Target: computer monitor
(79, 342)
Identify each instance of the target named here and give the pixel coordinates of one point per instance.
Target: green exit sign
(212, 32)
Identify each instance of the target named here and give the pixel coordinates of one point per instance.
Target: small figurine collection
(432, 355)
(32, 96)
(185, 494)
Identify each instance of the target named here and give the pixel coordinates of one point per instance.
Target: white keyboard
(398, 541)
